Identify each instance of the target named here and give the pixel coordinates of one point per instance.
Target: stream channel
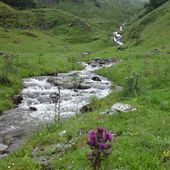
(39, 106)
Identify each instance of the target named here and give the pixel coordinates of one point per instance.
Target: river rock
(66, 83)
(83, 86)
(17, 99)
(32, 108)
(94, 64)
(86, 109)
(95, 78)
(3, 148)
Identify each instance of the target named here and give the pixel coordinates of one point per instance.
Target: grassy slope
(43, 37)
(41, 46)
(143, 134)
(107, 16)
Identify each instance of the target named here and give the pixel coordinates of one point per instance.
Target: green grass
(143, 135)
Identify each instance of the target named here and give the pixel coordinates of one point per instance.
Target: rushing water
(77, 89)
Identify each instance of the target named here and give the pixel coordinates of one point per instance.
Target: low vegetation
(142, 137)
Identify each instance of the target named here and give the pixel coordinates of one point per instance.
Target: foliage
(7, 67)
(131, 87)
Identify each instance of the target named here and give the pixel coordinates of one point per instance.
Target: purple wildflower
(92, 138)
(100, 130)
(108, 137)
(102, 146)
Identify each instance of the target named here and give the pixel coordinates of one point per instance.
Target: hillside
(152, 29)
(39, 36)
(106, 14)
(142, 137)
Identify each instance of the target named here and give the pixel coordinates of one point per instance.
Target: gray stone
(17, 99)
(83, 86)
(119, 107)
(3, 148)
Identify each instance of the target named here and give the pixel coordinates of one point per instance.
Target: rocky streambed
(38, 101)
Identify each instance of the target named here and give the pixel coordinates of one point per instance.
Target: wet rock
(86, 109)
(32, 108)
(96, 78)
(70, 85)
(14, 139)
(66, 83)
(83, 86)
(16, 143)
(54, 81)
(17, 99)
(3, 148)
(102, 61)
(55, 97)
(94, 64)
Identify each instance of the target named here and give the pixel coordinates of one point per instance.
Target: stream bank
(38, 107)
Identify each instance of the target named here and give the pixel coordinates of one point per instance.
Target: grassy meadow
(142, 137)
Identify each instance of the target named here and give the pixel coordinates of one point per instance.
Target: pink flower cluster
(99, 139)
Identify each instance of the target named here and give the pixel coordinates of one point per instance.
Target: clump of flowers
(100, 145)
